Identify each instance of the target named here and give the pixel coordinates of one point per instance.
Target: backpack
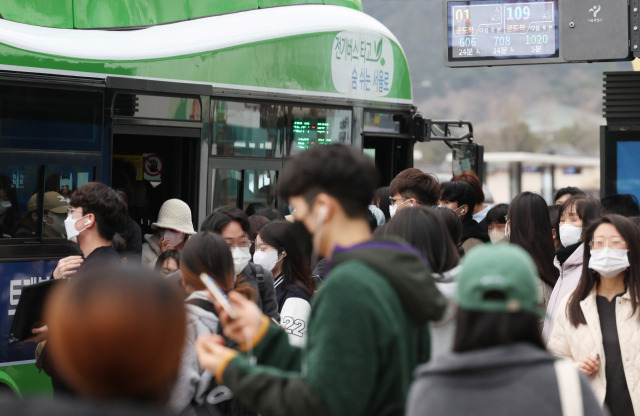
(219, 400)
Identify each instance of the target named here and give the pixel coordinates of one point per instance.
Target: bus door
(388, 146)
(155, 152)
(244, 183)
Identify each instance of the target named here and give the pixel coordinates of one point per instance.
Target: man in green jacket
(368, 324)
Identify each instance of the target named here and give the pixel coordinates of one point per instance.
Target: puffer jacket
(570, 272)
(578, 342)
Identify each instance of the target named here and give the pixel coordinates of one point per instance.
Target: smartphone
(218, 294)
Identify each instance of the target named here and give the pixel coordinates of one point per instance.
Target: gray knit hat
(175, 215)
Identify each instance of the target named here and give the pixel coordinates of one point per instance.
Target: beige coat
(577, 343)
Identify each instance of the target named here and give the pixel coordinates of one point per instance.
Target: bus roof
(92, 14)
(320, 50)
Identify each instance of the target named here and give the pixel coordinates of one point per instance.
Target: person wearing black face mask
(367, 328)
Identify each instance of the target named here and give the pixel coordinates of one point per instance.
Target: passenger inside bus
(55, 211)
(9, 212)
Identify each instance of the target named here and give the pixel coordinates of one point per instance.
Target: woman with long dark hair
(598, 324)
(422, 228)
(286, 253)
(499, 365)
(575, 215)
(205, 252)
(529, 227)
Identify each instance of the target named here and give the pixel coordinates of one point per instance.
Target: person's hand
(39, 334)
(211, 351)
(247, 323)
(165, 245)
(67, 266)
(589, 365)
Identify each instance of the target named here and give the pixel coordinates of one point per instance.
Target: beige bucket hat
(176, 215)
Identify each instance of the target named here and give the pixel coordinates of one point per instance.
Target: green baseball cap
(498, 278)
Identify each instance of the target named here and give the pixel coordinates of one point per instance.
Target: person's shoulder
(295, 291)
(353, 274)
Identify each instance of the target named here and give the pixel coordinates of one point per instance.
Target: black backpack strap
(257, 271)
(202, 304)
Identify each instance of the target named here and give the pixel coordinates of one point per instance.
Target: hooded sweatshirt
(193, 382)
(570, 273)
(516, 379)
(150, 250)
(367, 332)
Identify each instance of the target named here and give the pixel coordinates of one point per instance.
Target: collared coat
(578, 342)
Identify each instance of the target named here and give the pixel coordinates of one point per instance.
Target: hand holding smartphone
(218, 294)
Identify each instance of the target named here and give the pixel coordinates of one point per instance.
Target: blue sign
(13, 277)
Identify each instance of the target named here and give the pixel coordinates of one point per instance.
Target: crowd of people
(418, 298)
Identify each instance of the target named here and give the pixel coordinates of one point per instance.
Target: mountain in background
(513, 108)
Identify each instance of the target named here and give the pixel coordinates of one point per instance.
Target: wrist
(259, 335)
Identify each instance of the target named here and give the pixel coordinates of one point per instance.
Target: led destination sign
(481, 30)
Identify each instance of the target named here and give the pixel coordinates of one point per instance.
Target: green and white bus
(202, 100)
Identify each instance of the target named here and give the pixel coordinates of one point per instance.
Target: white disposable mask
(4, 206)
(609, 262)
(266, 259)
(70, 227)
(173, 237)
(570, 234)
(393, 208)
(497, 236)
(241, 257)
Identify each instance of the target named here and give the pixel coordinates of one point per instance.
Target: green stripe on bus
(300, 63)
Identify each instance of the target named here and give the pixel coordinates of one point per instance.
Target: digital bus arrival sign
(495, 30)
(511, 32)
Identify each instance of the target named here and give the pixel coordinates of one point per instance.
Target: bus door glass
(388, 147)
(251, 143)
(155, 153)
(248, 189)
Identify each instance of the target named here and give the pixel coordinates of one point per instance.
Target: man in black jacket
(460, 197)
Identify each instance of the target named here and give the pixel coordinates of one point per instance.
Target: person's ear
(325, 204)
(464, 210)
(90, 220)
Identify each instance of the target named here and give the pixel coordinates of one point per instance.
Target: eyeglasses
(392, 200)
(617, 243)
(70, 210)
(240, 243)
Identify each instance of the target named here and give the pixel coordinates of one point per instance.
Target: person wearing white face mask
(233, 225)
(174, 227)
(285, 252)
(597, 325)
(576, 213)
(412, 187)
(95, 213)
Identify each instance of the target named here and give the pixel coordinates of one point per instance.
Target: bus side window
(11, 210)
(21, 194)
